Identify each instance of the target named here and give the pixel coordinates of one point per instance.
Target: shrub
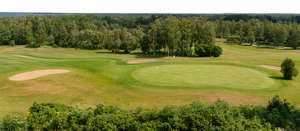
(208, 50)
(185, 52)
(12, 43)
(33, 45)
(281, 113)
(13, 122)
(48, 116)
(196, 116)
(288, 69)
(233, 39)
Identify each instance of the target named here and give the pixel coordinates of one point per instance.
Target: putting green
(201, 76)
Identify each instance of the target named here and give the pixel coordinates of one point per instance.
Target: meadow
(102, 77)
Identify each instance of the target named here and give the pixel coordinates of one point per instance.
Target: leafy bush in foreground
(194, 116)
(12, 122)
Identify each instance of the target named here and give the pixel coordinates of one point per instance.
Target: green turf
(203, 75)
(101, 77)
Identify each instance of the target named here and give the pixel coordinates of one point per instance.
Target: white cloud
(152, 6)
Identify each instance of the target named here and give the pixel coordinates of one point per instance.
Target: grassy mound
(202, 75)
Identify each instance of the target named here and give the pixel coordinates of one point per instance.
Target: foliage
(12, 43)
(194, 116)
(288, 69)
(13, 122)
(172, 35)
(178, 36)
(207, 50)
(262, 32)
(294, 38)
(233, 39)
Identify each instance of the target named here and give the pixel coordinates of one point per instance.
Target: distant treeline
(255, 31)
(172, 35)
(282, 18)
(226, 16)
(277, 115)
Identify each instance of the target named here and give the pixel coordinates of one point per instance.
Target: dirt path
(36, 74)
(143, 61)
(271, 67)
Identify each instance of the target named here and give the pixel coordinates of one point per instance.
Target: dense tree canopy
(255, 31)
(169, 35)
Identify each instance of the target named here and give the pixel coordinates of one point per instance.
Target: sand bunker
(36, 74)
(271, 67)
(142, 61)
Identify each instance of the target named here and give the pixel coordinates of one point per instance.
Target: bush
(12, 43)
(185, 52)
(288, 69)
(233, 39)
(13, 122)
(208, 50)
(33, 45)
(196, 116)
(281, 113)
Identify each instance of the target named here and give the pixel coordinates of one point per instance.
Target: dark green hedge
(196, 116)
(208, 50)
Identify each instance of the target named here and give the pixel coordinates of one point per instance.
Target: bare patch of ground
(143, 61)
(212, 96)
(9, 48)
(43, 88)
(36, 74)
(271, 67)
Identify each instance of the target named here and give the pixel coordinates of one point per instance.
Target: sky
(151, 6)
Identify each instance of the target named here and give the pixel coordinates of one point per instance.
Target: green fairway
(99, 76)
(199, 76)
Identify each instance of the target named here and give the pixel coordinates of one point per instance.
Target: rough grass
(102, 77)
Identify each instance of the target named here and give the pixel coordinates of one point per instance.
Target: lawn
(203, 76)
(101, 77)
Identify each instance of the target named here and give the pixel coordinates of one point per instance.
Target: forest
(171, 35)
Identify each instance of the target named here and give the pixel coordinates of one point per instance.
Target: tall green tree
(288, 69)
(294, 38)
(128, 41)
(41, 33)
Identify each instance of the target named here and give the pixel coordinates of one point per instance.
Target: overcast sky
(151, 6)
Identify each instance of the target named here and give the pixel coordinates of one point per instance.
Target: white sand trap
(271, 67)
(36, 74)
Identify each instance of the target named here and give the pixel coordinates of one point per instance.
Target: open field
(101, 77)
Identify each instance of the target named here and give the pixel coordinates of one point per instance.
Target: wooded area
(152, 34)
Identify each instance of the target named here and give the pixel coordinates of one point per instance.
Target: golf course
(85, 78)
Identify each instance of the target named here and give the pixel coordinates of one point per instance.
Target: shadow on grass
(141, 55)
(136, 54)
(106, 52)
(275, 47)
(277, 77)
